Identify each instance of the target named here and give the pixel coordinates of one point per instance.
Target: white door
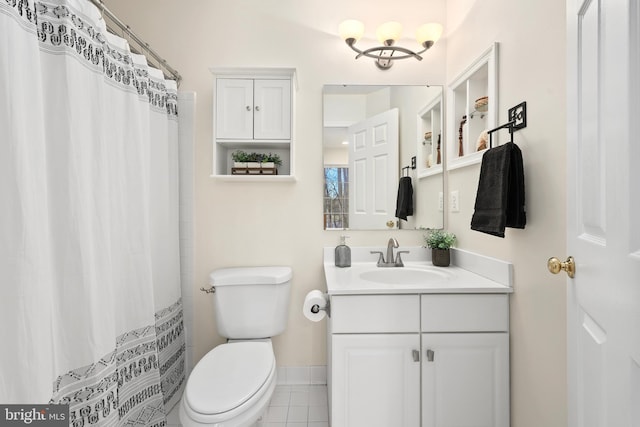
(375, 380)
(465, 380)
(603, 224)
(373, 165)
(234, 108)
(272, 109)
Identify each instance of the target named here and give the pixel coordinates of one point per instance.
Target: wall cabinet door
(465, 380)
(248, 109)
(234, 108)
(375, 380)
(272, 109)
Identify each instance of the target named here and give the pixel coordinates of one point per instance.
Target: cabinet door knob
(416, 355)
(257, 108)
(248, 108)
(430, 355)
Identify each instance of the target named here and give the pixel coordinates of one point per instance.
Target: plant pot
(239, 164)
(441, 257)
(268, 165)
(253, 164)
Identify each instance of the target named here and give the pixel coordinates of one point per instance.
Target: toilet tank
(251, 302)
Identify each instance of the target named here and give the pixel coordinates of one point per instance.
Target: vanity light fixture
(388, 33)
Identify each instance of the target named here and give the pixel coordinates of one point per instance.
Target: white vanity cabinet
(430, 360)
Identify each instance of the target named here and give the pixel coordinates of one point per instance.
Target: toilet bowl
(230, 386)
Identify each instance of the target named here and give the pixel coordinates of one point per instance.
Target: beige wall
(531, 68)
(280, 223)
(272, 223)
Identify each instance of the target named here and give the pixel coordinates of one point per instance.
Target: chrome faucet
(390, 262)
(392, 243)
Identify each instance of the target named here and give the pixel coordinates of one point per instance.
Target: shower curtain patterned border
(171, 351)
(63, 29)
(153, 356)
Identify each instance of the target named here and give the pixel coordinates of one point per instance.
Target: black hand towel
(500, 196)
(404, 201)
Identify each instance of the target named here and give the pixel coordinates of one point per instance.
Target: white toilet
(231, 386)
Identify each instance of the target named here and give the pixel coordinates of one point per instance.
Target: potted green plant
(254, 160)
(440, 241)
(271, 160)
(243, 159)
(240, 159)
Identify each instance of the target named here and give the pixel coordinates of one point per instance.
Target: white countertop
(494, 277)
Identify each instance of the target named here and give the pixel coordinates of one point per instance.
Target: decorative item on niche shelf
(254, 163)
(460, 141)
(483, 141)
(482, 104)
(440, 241)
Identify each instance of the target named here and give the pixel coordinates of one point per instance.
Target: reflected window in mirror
(336, 197)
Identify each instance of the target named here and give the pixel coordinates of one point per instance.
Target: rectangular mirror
(372, 136)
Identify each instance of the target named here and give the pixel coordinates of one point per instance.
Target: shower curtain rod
(144, 46)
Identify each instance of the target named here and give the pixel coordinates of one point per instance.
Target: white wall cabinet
(253, 111)
(431, 360)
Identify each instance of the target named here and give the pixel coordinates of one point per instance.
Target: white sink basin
(405, 276)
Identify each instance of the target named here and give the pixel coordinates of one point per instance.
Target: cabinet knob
(430, 355)
(416, 355)
(248, 108)
(257, 108)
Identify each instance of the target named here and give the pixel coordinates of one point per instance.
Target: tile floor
(291, 406)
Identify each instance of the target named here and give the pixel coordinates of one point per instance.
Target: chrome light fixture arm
(386, 61)
(351, 30)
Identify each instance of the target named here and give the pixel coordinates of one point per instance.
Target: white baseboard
(292, 375)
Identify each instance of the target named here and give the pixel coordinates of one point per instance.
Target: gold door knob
(390, 224)
(556, 266)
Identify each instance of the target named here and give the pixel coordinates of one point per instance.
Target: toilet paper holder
(315, 308)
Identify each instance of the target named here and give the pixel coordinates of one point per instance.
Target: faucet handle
(399, 262)
(380, 258)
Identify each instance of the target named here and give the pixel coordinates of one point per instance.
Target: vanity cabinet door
(375, 380)
(465, 380)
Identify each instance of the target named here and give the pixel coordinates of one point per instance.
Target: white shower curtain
(90, 305)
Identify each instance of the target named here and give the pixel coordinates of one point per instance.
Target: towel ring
(517, 121)
(504, 126)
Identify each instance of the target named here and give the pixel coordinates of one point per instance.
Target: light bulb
(428, 33)
(389, 31)
(351, 29)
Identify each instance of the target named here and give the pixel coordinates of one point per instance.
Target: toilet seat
(229, 379)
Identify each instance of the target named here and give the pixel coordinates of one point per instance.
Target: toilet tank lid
(250, 276)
